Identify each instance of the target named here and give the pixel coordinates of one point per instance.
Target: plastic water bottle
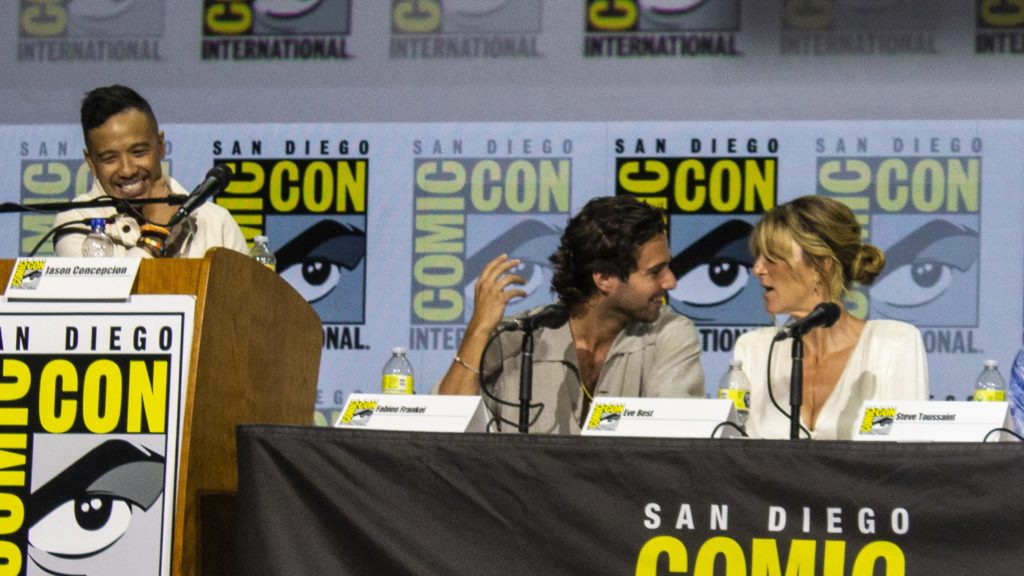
(397, 377)
(1016, 393)
(261, 252)
(735, 386)
(97, 244)
(990, 386)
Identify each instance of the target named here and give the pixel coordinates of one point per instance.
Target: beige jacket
(661, 358)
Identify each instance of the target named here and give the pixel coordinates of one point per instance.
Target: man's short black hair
(604, 237)
(101, 103)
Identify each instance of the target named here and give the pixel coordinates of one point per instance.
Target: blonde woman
(809, 251)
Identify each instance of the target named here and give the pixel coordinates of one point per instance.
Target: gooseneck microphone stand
(101, 201)
(526, 377)
(119, 204)
(796, 386)
(550, 316)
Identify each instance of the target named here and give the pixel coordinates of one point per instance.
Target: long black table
(339, 502)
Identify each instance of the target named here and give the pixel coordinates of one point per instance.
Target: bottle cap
(398, 350)
(261, 238)
(735, 363)
(100, 223)
(990, 363)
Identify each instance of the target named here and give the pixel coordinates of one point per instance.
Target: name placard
(67, 279)
(931, 421)
(660, 417)
(430, 413)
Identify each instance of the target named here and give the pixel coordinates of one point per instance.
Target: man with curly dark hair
(612, 273)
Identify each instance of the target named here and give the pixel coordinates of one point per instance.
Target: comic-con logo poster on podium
(90, 408)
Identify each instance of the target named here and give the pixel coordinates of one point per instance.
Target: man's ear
(604, 282)
(88, 159)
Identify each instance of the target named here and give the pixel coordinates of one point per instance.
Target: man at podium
(124, 148)
(620, 339)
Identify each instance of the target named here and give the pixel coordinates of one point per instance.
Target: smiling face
(640, 296)
(788, 288)
(124, 154)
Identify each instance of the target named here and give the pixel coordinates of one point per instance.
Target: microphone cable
(55, 229)
(1004, 431)
(771, 394)
(727, 424)
(484, 388)
(134, 212)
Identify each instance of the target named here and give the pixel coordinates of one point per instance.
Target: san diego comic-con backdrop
(390, 149)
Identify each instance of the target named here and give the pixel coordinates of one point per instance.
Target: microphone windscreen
(221, 173)
(831, 313)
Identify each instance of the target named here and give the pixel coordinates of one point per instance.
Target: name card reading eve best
(429, 413)
(660, 417)
(938, 421)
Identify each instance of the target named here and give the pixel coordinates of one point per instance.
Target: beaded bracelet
(153, 239)
(154, 246)
(462, 363)
(153, 229)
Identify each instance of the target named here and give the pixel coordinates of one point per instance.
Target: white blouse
(888, 363)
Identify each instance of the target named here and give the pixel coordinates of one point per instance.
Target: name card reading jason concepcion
(84, 279)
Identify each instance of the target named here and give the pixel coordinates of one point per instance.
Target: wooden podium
(255, 359)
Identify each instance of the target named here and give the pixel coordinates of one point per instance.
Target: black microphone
(824, 315)
(550, 316)
(216, 181)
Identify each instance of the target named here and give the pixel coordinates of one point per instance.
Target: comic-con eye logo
(276, 29)
(531, 242)
(469, 210)
(465, 28)
(859, 27)
(1000, 14)
(272, 17)
(314, 212)
(324, 261)
(878, 421)
(929, 273)
(923, 212)
(357, 413)
(99, 512)
(606, 417)
(27, 274)
(91, 18)
(90, 30)
(461, 16)
(659, 28)
(858, 14)
(712, 264)
(1000, 27)
(661, 15)
(808, 14)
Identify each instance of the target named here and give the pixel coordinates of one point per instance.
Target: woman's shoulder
(891, 329)
(757, 337)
